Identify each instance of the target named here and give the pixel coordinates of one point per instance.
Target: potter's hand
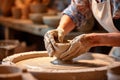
(77, 46)
(50, 39)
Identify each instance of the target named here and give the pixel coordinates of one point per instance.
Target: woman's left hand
(78, 45)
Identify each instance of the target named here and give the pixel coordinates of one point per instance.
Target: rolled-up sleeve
(76, 16)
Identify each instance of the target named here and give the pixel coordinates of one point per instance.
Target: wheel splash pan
(89, 66)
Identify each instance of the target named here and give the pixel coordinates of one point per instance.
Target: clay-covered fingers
(49, 46)
(51, 39)
(70, 52)
(50, 35)
(60, 36)
(77, 47)
(75, 54)
(50, 42)
(71, 55)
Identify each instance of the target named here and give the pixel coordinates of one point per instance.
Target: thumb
(60, 35)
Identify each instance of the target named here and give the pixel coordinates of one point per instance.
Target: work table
(26, 26)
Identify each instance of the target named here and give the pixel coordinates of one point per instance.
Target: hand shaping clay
(43, 67)
(61, 47)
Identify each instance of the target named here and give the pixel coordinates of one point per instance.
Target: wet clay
(49, 68)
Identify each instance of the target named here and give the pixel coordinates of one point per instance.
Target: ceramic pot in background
(25, 12)
(51, 21)
(7, 47)
(37, 7)
(6, 6)
(36, 18)
(16, 12)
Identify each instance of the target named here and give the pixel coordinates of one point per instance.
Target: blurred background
(23, 24)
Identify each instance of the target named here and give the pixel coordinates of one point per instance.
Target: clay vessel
(25, 12)
(51, 21)
(6, 6)
(36, 18)
(37, 7)
(16, 12)
(92, 67)
(61, 47)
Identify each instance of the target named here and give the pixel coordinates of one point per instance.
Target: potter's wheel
(49, 63)
(40, 63)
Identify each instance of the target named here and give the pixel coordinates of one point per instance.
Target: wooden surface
(22, 25)
(26, 26)
(86, 67)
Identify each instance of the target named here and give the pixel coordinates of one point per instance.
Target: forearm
(104, 39)
(66, 24)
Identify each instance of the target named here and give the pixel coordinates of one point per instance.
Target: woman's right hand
(50, 39)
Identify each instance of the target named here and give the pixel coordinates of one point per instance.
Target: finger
(78, 54)
(51, 41)
(60, 36)
(81, 51)
(50, 52)
(51, 38)
(68, 52)
(72, 54)
(46, 38)
(71, 49)
(49, 47)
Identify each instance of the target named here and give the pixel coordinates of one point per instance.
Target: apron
(102, 13)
